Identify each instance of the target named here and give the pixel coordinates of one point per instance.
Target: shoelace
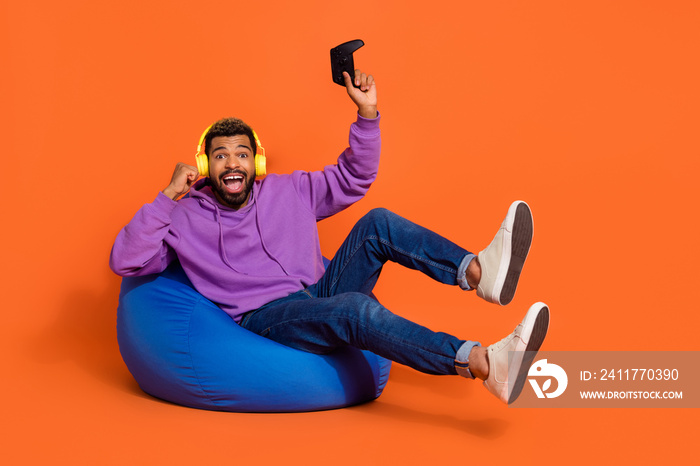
(505, 341)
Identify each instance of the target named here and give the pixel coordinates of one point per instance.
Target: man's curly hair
(229, 127)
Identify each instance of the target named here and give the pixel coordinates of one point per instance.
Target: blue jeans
(339, 310)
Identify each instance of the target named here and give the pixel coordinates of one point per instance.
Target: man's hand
(366, 96)
(183, 178)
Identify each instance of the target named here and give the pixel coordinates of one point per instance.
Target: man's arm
(338, 186)
(140, 247)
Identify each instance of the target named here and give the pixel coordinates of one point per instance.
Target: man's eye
(219, 156)
(243, 155)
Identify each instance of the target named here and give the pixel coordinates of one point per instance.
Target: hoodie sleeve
(140, 247)
(338, 186)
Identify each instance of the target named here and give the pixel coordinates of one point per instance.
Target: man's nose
(232, 162)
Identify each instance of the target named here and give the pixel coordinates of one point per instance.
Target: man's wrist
(171, 193)
(369, 112)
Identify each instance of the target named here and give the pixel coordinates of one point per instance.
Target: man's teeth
(234, 181)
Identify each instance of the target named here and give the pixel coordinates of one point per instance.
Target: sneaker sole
(520, 241)
(538, 331)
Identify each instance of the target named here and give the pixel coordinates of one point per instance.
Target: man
(252, 247)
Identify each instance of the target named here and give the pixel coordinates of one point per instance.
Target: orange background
(586, 109)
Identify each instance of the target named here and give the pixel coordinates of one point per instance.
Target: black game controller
(341, 60)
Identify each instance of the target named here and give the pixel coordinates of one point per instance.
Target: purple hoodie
(243, 259)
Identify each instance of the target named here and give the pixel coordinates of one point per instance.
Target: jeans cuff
(462, 271)
(462, 359)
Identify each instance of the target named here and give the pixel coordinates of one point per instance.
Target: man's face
(232, 169)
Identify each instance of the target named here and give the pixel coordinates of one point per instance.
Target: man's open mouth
(234, 182)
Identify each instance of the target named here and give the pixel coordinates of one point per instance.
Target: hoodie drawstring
(221, 239)
(222, 246)
(262, 241)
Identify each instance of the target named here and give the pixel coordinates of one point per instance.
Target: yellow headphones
(203, 159)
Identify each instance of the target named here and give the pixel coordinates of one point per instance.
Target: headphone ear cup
(260, 165)
(202, 164)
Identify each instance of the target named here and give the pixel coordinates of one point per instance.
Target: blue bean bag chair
(182, 348)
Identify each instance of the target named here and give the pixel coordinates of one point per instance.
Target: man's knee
(378, 216)
(363, 309)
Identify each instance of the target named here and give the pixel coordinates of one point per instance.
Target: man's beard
(229, 199)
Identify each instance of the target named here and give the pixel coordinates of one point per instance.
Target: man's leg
(322, 325)
(382, 236)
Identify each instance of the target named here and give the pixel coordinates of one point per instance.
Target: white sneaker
(507, 378)
(502, 260)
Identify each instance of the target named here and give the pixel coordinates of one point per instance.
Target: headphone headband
(201, 140)
(206, 131)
